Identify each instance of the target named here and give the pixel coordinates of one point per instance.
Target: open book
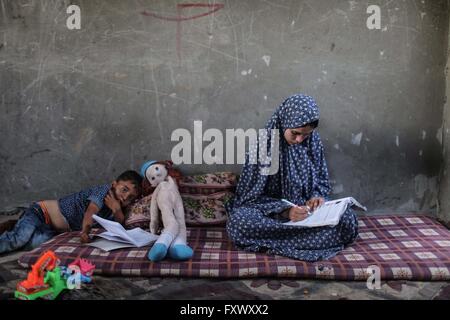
(328, 214)
(116, 237)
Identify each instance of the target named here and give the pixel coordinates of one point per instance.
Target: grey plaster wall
(80, 106)
(444, 187)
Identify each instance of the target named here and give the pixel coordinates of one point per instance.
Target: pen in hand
(294, 205)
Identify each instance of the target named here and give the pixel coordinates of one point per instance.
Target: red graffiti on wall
(179, 17)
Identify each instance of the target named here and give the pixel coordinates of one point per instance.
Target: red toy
(35, 280)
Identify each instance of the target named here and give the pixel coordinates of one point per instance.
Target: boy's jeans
(29, 232)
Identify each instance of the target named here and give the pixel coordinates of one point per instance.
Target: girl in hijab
(257, 212)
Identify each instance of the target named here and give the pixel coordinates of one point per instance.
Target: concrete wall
(444, 187)
(80, 106)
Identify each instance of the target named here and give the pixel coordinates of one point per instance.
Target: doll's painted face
(156, 174)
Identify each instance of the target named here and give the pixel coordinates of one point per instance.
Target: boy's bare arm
(88, 221)
(112, 203)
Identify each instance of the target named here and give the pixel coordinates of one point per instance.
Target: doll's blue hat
(145, 166)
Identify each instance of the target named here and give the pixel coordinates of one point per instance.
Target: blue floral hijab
(302, 173)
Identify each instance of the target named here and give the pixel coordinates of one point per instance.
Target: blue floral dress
(254, 223)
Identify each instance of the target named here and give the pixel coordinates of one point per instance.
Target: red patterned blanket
(413, 247)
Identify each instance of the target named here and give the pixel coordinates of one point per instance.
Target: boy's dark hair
(133, 177)
(313, 124)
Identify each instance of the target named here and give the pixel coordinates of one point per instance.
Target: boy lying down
(45, 219)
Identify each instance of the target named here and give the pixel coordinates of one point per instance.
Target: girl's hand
(298, 213)
(314, 203)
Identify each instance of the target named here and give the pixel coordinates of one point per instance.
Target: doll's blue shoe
(157, 252)
(180, 252)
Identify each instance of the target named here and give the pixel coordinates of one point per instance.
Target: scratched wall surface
(444, 187)
(80, 106)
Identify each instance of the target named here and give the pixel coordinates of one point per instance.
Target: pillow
(199, 210)
(138, 214)
(204, 197)
(208, 183)
(206, 210)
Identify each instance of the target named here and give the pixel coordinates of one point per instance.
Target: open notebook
(116, 237)
(328, 214)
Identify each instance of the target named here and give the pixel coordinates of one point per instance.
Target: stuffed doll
(147, 189)
(167, 200)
